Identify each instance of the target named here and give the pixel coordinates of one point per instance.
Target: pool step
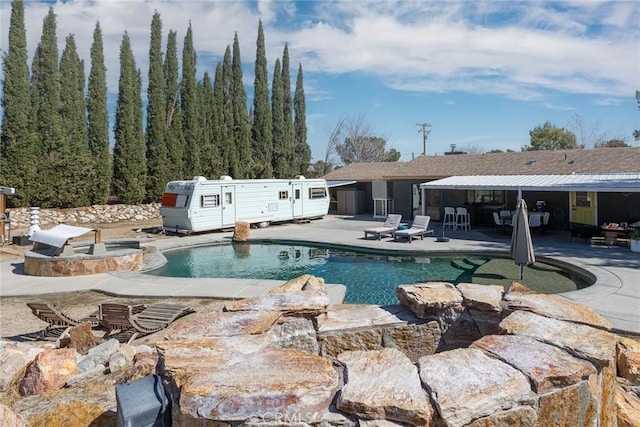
(461, 264)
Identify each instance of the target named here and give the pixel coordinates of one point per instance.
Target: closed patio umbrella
(521, 245)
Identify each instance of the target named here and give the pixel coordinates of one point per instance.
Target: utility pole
(425, 131)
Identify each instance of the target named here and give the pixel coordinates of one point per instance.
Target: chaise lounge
(58, 320)
(419, 227)
(154, 318)
(390, 225)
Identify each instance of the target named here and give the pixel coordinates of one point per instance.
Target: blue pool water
(370, 278)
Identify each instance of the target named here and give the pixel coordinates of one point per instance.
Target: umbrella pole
(521, 268)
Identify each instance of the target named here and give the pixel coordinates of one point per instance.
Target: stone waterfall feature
(470, 355)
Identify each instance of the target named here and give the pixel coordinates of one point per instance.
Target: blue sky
(481, 73)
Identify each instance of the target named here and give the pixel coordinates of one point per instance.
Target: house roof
(364, 171)
(578, 182)
(551, 162)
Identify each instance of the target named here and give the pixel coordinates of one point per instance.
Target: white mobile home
(202, 205)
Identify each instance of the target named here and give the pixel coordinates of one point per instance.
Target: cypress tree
(301, 148)
(219, 129)
(75, 159)
(129, 167)
(287, 112)
(261, 131)
(241, 125)
(189, 102)
(209, 151)
(279, 158)
(173, 115)
(17, 154)
(47, 118)
(156, 150)
(228, 149)
(98, 122)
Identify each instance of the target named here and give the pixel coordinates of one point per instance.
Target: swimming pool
(370, 278)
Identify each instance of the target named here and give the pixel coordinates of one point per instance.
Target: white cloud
(513, 49)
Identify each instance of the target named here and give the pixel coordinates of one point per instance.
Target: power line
(425, 131)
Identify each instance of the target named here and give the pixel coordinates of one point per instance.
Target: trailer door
(228, 206)
(296, 200)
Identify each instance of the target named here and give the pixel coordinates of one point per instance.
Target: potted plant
(635, 240)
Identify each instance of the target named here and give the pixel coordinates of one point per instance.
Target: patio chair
(535, 222)
(153, 318)
(390, 225)
(419, 227)
(57, 320)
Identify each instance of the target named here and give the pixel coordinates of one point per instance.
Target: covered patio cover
(603, 183)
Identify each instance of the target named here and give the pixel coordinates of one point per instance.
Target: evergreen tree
(46, 115)
(173, 115)
(241, 125)
(301, 148)
(156, 150)
(287, 112)
(75, 159)
(189, 102)
(208, 150)
(129, 167)
(228, 149)
(261, 131)
(98, 122)
(17, 154)
(279, 158)
(219, 128)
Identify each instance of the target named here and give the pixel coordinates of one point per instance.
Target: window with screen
(210, 200)
(283, 195)
(317, 193)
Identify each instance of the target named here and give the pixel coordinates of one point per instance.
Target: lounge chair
(419, 227)
(58, 320)
(154, 318)
(390, 225)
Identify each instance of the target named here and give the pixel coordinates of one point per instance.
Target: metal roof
(611, 183)
(332, 184)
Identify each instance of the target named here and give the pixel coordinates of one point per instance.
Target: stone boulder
(467, 385)
(13, 360)
(351, 327)
(301, 303)
(235, 378)
(10, 418)
(430, 300)
(383, 384)
(546, 366)
(49, 370)
(627, 405)
(241, 231)
(556, 307)
(81, 338)
(628, 360)
(215, 324)
(75, 414)
(306, 282)
(481, 297)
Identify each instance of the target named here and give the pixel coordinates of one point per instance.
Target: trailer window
(228, 198)
(317, 192)
(297, 194)
(283, 195)
(181, 200)
(210, 200)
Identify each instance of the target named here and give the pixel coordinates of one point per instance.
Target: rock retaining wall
(96, 214)
(447, 356)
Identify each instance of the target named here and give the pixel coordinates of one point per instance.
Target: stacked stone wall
(95, 214)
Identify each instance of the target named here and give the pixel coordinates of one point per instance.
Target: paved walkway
(615, 295)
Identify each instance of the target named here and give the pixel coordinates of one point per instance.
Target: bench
(584, 231)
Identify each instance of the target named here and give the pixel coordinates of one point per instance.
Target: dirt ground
(18, 324)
